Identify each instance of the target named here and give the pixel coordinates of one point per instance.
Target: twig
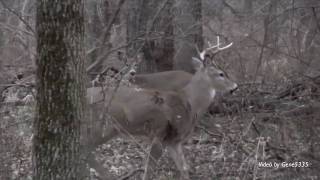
(106, 34)
(316, 18)
(98, 61)
(13, 29)
(112, 21)
(209, 132)
(10, 85)
(20, 18)
(131, 173)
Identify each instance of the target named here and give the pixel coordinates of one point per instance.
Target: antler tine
(227, 46)
(221, 48)
(203, 53)
(198, 51)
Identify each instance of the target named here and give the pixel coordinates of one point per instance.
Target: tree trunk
(162, 42)
(270, 39)
(60, 97)
(151, 23)
(247, 7)
(136, 24)
(187, 33)
(94, 29)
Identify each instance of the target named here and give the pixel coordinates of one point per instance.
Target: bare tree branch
(105, 36)
(19, 17)
(316, 18)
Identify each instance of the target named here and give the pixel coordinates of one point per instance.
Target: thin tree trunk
(188, 33)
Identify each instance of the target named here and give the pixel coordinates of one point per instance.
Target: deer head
(207, 80)
(215, 77)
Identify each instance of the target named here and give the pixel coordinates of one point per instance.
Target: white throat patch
(212, 93)
(138, 89)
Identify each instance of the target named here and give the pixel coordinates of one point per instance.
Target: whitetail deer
(167, 118)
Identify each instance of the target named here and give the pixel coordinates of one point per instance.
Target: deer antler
(217, 46)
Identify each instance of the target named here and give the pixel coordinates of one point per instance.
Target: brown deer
(167, 118)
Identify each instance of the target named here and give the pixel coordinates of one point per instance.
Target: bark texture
(60, 97)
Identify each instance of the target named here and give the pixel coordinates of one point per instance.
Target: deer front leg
(152, 159)
(176, 153)
(103, 173)
(95, 141)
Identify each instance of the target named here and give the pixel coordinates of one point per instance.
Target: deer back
(166, 81)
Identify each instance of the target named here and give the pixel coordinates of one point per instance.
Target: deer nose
(234, 88)
(132, 72)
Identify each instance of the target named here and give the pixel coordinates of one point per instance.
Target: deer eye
(221, 74)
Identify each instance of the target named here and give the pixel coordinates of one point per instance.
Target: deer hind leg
(152, 159)
(176, 153)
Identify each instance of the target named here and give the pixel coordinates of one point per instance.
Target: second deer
(166, 118)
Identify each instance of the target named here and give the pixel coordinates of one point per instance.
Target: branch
(112, 21)
(106, 35)
(13, 29)
(209, 132)
(316, 18)
(19, 17)
(233, 11)
(99, 60)
(131, 173)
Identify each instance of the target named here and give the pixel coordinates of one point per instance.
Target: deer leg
(101, 139)
(176, 153)
(92, 162)
(97, 166)
(152, 159)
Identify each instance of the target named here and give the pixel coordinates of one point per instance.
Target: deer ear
(197, 63)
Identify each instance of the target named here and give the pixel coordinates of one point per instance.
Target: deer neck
(199, 93)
